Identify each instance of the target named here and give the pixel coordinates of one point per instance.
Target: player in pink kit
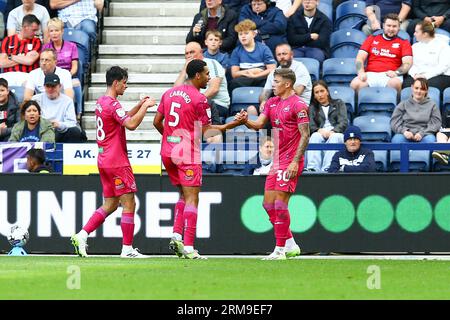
(114, 167)
(288, 115)
(186, 116)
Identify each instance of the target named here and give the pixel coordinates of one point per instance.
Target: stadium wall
(329, 213)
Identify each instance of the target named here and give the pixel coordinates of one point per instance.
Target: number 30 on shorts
(282, 175)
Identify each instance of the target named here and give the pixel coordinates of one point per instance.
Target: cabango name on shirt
(180, 93)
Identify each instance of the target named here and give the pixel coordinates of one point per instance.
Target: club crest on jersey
(302, 114)
(118, 183)
(121, 112)
(189, 174)
(396, 45)
(277, 122)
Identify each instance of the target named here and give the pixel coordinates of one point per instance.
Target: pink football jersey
(110, 133)
(185, 111)
(285, 116)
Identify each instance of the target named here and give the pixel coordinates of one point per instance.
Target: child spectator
(213, 42)
(251, 61)
(9, 110)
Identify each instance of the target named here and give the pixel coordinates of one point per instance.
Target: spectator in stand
(270, 22)
(287, 6)
(216, 90)
(431, 58)
(443, 136)
(20, 52)
(302, 86)
(327, 120)
(309, 32)
(15, 17)
(33, 127)
(59, 109)
(251, 62)
(35, 81)
(12, 4)
(214, 17)
(234, 5)
(213, 42)
(435, 11)
(67, 58)
(418, 118)
(9, 110)
(353, 158)
(262, 162)
(376, 11)
(79, 14)
(36, 161)
(388, 58)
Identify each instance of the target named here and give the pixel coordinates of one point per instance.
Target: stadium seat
(243, 97)
(81, 39)
(419, 160)
(350, 14)
(3, 4)
(381, 160)
(374, 128)
(313, 67)
(327, 9)
(441, 33)
(19, 91)
(376, 100)
(433, 93)
(446, 99)
(347, 95)
(401, 34)
(338, 71)
(345, 43)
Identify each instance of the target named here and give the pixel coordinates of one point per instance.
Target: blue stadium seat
(374, 128)
(446, 99)
(401, 34)
(313, 67)
(345, 43)
(19, 91)
(442, 34)
(433, 93)
(3, 4)
(419, 160)
(243, 97)
(350, 14)
(327, 9)
(381, 160)
(376, 99)
(81, 39)
(338, 71)
(347, 95)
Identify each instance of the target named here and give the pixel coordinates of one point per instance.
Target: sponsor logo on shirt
(375, 42)
(189, 174)
(396, 45)
(173, 139)
(118, 183)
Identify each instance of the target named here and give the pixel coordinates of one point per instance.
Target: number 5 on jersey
(173, 112)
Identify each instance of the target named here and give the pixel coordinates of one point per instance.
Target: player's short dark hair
(3, 83)
(30, 19)
(286, 74)
(194, 67)
(391, 16)
(28, 104)
(37, 154)
(115, 73)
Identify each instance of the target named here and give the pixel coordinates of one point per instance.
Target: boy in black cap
(353, 158)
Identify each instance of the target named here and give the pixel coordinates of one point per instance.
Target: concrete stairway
(148, 38)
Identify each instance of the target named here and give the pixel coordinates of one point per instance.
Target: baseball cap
(352, 132)
(51, 80)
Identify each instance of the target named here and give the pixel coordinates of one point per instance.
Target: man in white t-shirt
(35, 80)
(15, 17)
(302, 86)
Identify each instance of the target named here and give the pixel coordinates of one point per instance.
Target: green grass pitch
(44, 277)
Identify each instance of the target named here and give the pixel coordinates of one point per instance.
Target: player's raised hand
(149, 102)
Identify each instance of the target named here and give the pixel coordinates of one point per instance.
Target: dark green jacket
(46, 131)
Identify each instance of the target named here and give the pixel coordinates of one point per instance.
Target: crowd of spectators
(44, 69)
(405, 41)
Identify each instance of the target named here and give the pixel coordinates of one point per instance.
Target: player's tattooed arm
(304, 132)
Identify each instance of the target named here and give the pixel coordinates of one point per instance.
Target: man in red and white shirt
(388, 58)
